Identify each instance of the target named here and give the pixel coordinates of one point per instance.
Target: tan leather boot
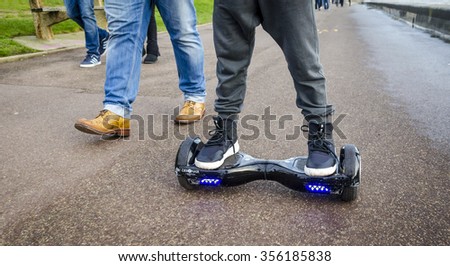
(106, 123)
(191, 112)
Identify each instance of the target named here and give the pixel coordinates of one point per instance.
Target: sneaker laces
(218, 135)
(318, 141)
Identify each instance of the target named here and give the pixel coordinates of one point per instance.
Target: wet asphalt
(390, 87)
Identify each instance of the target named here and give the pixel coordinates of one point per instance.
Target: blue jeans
(128, 22)
(82, 12)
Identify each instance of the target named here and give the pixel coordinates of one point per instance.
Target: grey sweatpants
(291, 23)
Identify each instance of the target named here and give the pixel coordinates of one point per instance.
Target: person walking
(96, 38)
(128, 23)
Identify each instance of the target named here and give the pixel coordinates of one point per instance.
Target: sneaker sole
(149, 62)
(320, 171)
(93, 131)
(217, 164)
(91, 65)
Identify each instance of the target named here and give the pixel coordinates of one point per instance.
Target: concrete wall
(432, 18)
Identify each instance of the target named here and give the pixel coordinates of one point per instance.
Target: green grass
(16, 20)
(204, 10)
(9, 47)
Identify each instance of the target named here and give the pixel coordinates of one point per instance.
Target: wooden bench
(45, 17)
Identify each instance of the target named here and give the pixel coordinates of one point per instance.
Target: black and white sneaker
(91, 60)
(222, 144)
(322, 159)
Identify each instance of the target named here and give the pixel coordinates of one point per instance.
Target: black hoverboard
(242, 168)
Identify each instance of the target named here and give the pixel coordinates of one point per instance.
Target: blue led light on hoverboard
(208, 181)
(314, 188)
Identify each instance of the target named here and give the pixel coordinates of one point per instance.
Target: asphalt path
(388, 82)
